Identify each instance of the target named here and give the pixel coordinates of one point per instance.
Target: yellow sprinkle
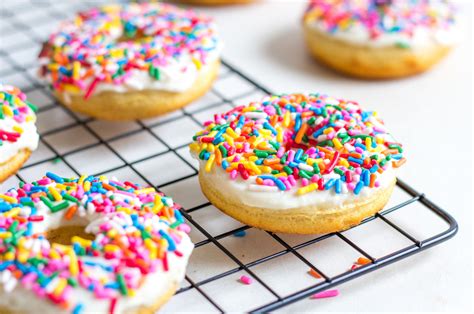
(343, 162)
(81, 241)
(55, 193)
(5, 235)
(76, 66)
(109, 248)
(73, 266)
(158, 204)
(7, 111)
(9, 256)
(228, 139)
(87, 186)
(328, 130)
(282, 174)
(145, 191)
(265, 169)
(81, 179)
(368, 143)
(18, 129)
(112, 233)
(286, 119)
(23, 256)
(71, 88)
(12, 213)
(279, 134)
(254, 168)
(197, 63)
(211, 148)
(253, 158)
(62, 283)
(194, 147)
(231, 133)
(337, 143)
(9, 199)
(306, 189)
(210, 162)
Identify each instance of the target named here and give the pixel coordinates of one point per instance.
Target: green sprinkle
(122, 284)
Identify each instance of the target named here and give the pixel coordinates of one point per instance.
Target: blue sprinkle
(358, 187)
(338, 186)
(171, 244)
(225, 164)
(267, 125)
(239, 234)
(360, 146)
(54, 177)
(356, 160)
(280, 184)
(374, 168)
(78, 309)
(329, 184)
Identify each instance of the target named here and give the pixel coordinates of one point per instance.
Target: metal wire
(9, 16)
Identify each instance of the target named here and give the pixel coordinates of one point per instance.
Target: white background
(430, 114)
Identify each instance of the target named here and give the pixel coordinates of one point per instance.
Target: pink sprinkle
(325, 294)
(233, 174)
(246, 280)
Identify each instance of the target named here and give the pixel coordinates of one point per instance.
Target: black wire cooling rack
(24, 25)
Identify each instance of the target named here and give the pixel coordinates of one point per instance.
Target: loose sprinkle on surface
(246, 280)
(325, 294)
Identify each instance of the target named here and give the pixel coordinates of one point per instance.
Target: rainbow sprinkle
(15, 111)
(135, 231)
(380, 17)
(111, 43)
(299, 143)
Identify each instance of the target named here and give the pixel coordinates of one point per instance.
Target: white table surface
(265, 40)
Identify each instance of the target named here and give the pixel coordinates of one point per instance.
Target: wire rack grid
(154, 152)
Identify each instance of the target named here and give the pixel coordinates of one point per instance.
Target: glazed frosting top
(401, 23)
(299, 144)
(129, 47)
(17, 123)
(137, 232)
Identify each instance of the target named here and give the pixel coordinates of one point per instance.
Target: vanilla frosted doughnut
(297, 163)
(18, 136)
(131, 61)
(89, 245)
(380, 38)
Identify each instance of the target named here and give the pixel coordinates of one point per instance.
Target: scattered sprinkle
(314, 273)
(246, 280)
(240, 234)
(325, 294)
(363, 260)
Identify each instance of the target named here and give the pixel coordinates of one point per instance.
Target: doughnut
(380, 39)
(89, 245)
(297, 163)
(131, 62)
(18, 136)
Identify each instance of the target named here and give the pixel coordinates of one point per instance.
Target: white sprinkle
(256, 115)
(305, 167)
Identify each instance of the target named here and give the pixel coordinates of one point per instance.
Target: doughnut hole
(64, 234)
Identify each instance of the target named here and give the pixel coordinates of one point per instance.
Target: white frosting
(274, 199)
(28, 139)
(422, 36)
(155, 285)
